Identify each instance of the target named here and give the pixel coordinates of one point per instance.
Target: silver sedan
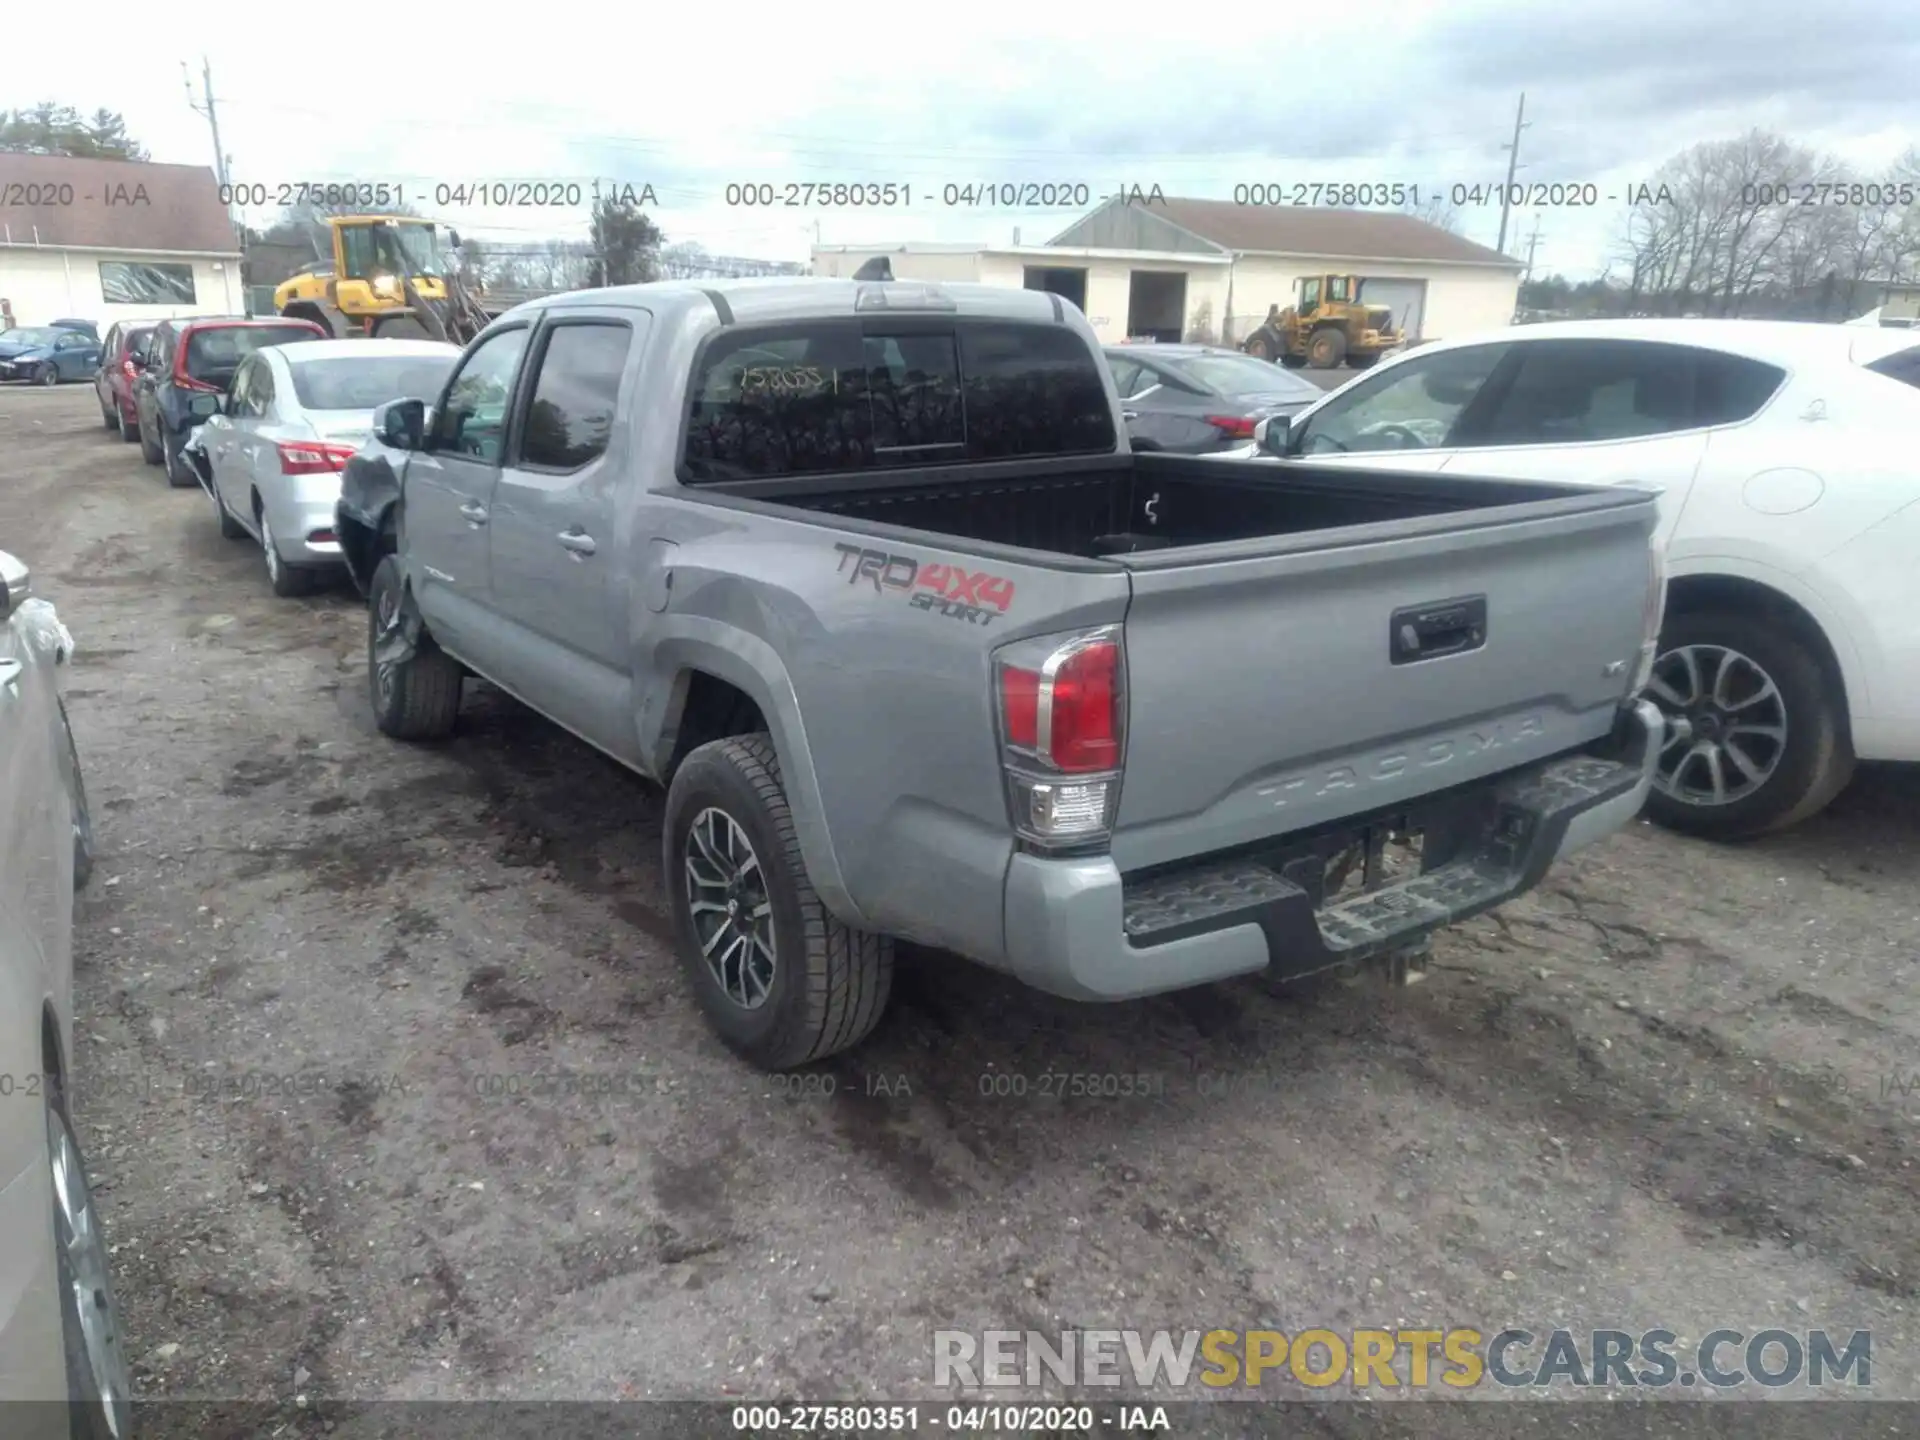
(60, 1335)
(271, 456)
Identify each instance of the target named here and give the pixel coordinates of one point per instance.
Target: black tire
(128, 433)
(422, 701)
(1327, 349)
(47, 375)
(87, 1417)
(830, 982)
(401, 327)
(179, 473)
(1262, 345)
(150, 452)
(1814, 763)
(109, 419)
(83, 850)
(1294, 362)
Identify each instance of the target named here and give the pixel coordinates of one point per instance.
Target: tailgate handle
(1441, 627)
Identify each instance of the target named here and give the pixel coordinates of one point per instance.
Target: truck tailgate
(1346, 671)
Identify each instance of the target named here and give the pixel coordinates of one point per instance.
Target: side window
(473, 420)
(1310, 294)
(1126, 377)
(1337, 290)
(261, 393)
(1730, 388)
(242, 404)
(1902, 365)
(913, 386)
(1579, 391)
(571, 414)
(1416, 405)
(356, 250)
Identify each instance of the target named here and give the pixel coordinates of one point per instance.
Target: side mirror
(401, 424)
(204, 405)
(16, 583)
(1272, 436)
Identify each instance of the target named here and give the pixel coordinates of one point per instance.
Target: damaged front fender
(365, 516)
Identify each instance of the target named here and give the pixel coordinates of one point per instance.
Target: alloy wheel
(732, 911)
(77, 1232)
(1734, 730)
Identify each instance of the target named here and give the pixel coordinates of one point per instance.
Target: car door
(449, 488)
(1403, 416)
(559, 589)
(253, 457)
(221, 432)
(109, 356)
(1165, 413)
(76, 356)
(1595, 411)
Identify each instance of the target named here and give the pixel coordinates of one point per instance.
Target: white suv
(1788, 457)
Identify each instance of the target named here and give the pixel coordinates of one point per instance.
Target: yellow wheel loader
(1326, 326)
(390, 275)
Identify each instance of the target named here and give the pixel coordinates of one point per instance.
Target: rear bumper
(298, 516)
(1079, 928)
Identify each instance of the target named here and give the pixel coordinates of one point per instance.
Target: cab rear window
(822, 397)
(215, 352)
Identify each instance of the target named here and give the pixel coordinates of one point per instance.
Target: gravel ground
(1676, 1087)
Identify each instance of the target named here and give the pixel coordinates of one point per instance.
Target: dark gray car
(1198, 399)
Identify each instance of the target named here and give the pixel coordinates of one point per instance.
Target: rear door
(556, 570)
(448, 492)
(1609, 412)
(1405, 416)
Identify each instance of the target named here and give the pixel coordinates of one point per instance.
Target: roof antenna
(878, 268)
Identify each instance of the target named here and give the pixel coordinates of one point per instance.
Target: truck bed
(1155, 502)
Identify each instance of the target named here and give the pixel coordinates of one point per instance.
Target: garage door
(1407, 297)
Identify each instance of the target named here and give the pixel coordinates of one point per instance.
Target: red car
(113, 385)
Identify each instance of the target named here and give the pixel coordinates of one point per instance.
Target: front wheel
(46, 375)
(781, 981)
(415, 684)
(1757, 737)
(1326, 349)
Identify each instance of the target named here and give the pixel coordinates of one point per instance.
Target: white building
(111, 240)
(1208, 270)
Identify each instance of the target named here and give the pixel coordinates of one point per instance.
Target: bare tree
(1436, 209)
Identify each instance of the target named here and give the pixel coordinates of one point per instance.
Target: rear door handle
(1129, 414)
(475, 512)
(577, 542)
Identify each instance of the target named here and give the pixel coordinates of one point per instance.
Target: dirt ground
(321, 975)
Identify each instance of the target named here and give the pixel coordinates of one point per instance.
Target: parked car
(292, 417)
(1791, 644)
(85, 327)
(47, 354)
(60, 1332)
(113, 381)
(196, 357)
(868, 575)
(1200, 399)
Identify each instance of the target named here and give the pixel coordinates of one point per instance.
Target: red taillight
(302, 457)
(1236, 427)
(1067, 714)
(129, 369)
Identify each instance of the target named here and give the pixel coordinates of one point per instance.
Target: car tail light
(321, 537)
(304, 457)
(128, 368)
(1235, 427)
(1651, 615)
(1062, 710)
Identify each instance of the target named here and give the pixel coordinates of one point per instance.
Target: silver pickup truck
(866, 574)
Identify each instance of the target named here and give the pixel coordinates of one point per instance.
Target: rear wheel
(149, 452)
(179, 472)
(1326, 349)
(1764, 742)
(287, 580)
(230, 528)
(128, 433)
(109, 419)
(415, 685)
(99, 1392)
(781, 981)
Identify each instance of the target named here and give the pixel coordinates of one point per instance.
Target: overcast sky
(690, 97)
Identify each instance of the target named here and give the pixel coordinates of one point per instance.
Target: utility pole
(1513, 164)
(205, 106)
(1532, 241)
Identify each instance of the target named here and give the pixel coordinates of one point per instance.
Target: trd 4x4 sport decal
(951, 590)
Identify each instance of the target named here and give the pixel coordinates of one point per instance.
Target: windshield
(33, 335)
(412, 249)
(1244, 375)
(360, 382)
